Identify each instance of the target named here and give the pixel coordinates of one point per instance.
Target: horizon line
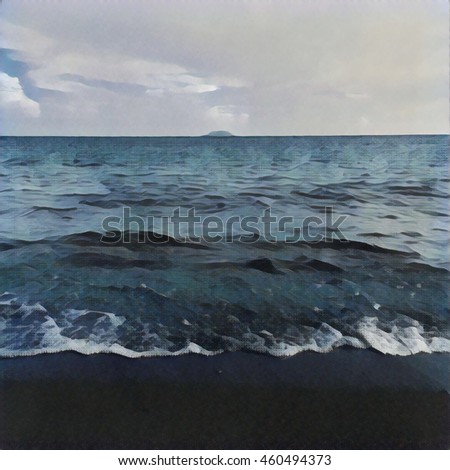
(227, 136)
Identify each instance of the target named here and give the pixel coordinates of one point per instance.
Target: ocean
(353, 251)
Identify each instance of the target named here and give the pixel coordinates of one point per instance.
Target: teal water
(386, 288)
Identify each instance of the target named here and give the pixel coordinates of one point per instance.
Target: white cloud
(12, 97)
(256, 67)
(227, 117)
(178, 83)
(32, 44)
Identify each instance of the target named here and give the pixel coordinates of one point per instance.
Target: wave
(385, 287)
(30, 329)
(124, 238)
(418, 191)
(127, 239)
(342, 245)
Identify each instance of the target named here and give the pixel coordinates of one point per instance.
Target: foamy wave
(400, 341)
(41, 333)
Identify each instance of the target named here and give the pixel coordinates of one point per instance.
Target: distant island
(219, 134)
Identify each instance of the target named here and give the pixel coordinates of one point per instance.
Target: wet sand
(347, 399)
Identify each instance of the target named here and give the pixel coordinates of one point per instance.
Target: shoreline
(346, 399)
(341, 367)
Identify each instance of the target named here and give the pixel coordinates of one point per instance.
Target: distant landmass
(219, 134)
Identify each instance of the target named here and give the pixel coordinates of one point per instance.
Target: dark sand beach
(347, 399)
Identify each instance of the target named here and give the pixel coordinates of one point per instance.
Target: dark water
(64, 289)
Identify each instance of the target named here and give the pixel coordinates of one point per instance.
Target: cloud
(13, 99)
(266, 67)
(228, 117)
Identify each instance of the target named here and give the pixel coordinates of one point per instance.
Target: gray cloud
(185, 68)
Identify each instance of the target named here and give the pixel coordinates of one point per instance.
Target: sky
(251, 67)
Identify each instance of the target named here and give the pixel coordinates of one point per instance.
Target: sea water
(380, 280)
